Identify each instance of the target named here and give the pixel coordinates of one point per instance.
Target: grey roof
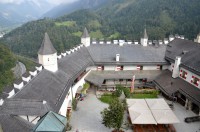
(10, 123)
(25, 107)
(164, 83)
(85, 33)
(46, 83)
(26, 74)
(188, 50)
(18, 81)
(56, 85)
(8, 89)
(75, 63)
(129, 54)
(97, 77)
(46, 47)
(145, 33)
(3, 95)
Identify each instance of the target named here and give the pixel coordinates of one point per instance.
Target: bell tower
(47, 55)
(85, 38)
(144, 39)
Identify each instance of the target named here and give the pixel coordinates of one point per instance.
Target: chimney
(175, 72)
(117, 57)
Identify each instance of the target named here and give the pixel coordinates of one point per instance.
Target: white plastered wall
(68, 98)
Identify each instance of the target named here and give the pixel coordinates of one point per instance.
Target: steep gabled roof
(145, 33)
(189, 52)
(46, 47)
(85, 33)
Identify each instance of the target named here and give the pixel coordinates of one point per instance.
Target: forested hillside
(125, 19)
(7, 61)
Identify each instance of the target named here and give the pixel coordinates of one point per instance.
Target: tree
(113, 115)
(74, 104)
(118, 91)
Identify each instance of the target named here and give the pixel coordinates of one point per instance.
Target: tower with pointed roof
(85, 38)
(144, 39)
(198, 38)
(47, 55)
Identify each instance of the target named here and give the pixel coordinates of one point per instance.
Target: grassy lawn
(142, 96)
(66, 23)
(107, 98)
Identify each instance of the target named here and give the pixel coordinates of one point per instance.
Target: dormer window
(195, 80)
(183, 74)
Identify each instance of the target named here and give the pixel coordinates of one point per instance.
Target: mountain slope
(15, 14)
(7, 61)
(64, 9)
(112, 20)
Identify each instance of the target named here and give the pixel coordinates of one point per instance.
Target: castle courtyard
(87, 118)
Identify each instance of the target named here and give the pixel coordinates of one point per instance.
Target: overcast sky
(36, 1)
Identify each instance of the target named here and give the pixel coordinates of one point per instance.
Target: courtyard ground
(181, 114)
(87, 118)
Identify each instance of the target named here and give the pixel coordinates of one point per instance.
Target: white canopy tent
(150, 111)
(157, 104)
(137, 104)
(165, 117)
(141, 116)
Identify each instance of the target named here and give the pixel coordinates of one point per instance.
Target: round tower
(47, 55)
(85, 38)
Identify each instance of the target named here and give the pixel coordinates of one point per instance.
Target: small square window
(183, 74)
(195, 81)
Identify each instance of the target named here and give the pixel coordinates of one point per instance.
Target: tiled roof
(85, 33)
(129, 54)
(46, 47)
(25, 107)
(189, 52)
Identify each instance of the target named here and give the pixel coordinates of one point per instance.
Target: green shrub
(107, 98)
(127, 92)
(74, 104)
(118, 90)
(85, 88)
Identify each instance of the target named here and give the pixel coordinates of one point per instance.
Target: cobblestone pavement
(87, 118)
